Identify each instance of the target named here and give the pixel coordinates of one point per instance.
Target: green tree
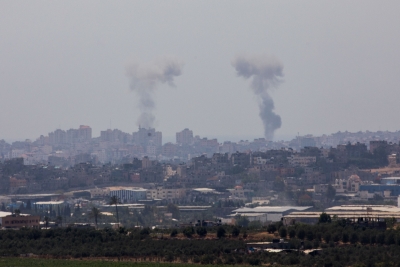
(271, 228)
(282, 232)
(292, 233)
(235, 231)
(95, 214)
(221, 232)
(301, 234)
(188, 231)
(324, 218)
(174, 233)
(115, 201)
(201, 231)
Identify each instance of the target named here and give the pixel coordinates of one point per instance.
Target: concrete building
(268, 213)
(8, 220)
(350, 185)
(184, 137)
(368, 215)
(301, 161)
(99, 192)
(128, 194)
(166, 193)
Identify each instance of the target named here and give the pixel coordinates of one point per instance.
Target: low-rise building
(8, 220)
(301, 161)
(166, 193)
(125, 194)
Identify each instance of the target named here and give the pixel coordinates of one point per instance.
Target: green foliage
(271, 228)
(174, 233)
(235, 231)
(282, 232)
(324, 218)
(221, 232)
(188, 232)
(201, 231)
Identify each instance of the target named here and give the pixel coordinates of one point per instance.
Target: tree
(188, 232)
(201, 231)
(235, 231)
(301, 234)
(292, 233)
(114, 200)
(17, 212)
(324, 218)
(3, 207)
(271, 228)
(95, 214)
(174, 233)
(221, 232)
(282, 232)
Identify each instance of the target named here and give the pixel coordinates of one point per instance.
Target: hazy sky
(63, 63)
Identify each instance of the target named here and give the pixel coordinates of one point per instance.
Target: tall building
(184, 137)
(85, 133)
(146, 137)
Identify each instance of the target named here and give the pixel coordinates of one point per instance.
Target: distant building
(166, 193)
(128, 194)
(184, 137)
(301, 161)
(8, 220)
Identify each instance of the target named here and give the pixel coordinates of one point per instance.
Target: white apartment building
(99, 192)
(164, 193)
(301, 161)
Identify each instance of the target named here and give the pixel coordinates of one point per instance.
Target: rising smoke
(145, 79)
(266, 73)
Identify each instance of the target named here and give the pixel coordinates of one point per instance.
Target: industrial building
(370, 215)
(128, 195)
(266, 214)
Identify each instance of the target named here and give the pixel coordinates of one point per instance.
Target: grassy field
(18, 262)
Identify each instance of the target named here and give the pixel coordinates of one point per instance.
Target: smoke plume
(145, 79)
(265, 73)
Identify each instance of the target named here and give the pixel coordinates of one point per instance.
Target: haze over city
(70, 63)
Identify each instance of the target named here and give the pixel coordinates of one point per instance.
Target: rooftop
(364, 208)
(271, 209)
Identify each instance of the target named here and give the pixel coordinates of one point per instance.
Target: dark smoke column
(145, 79)
(266, 73)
